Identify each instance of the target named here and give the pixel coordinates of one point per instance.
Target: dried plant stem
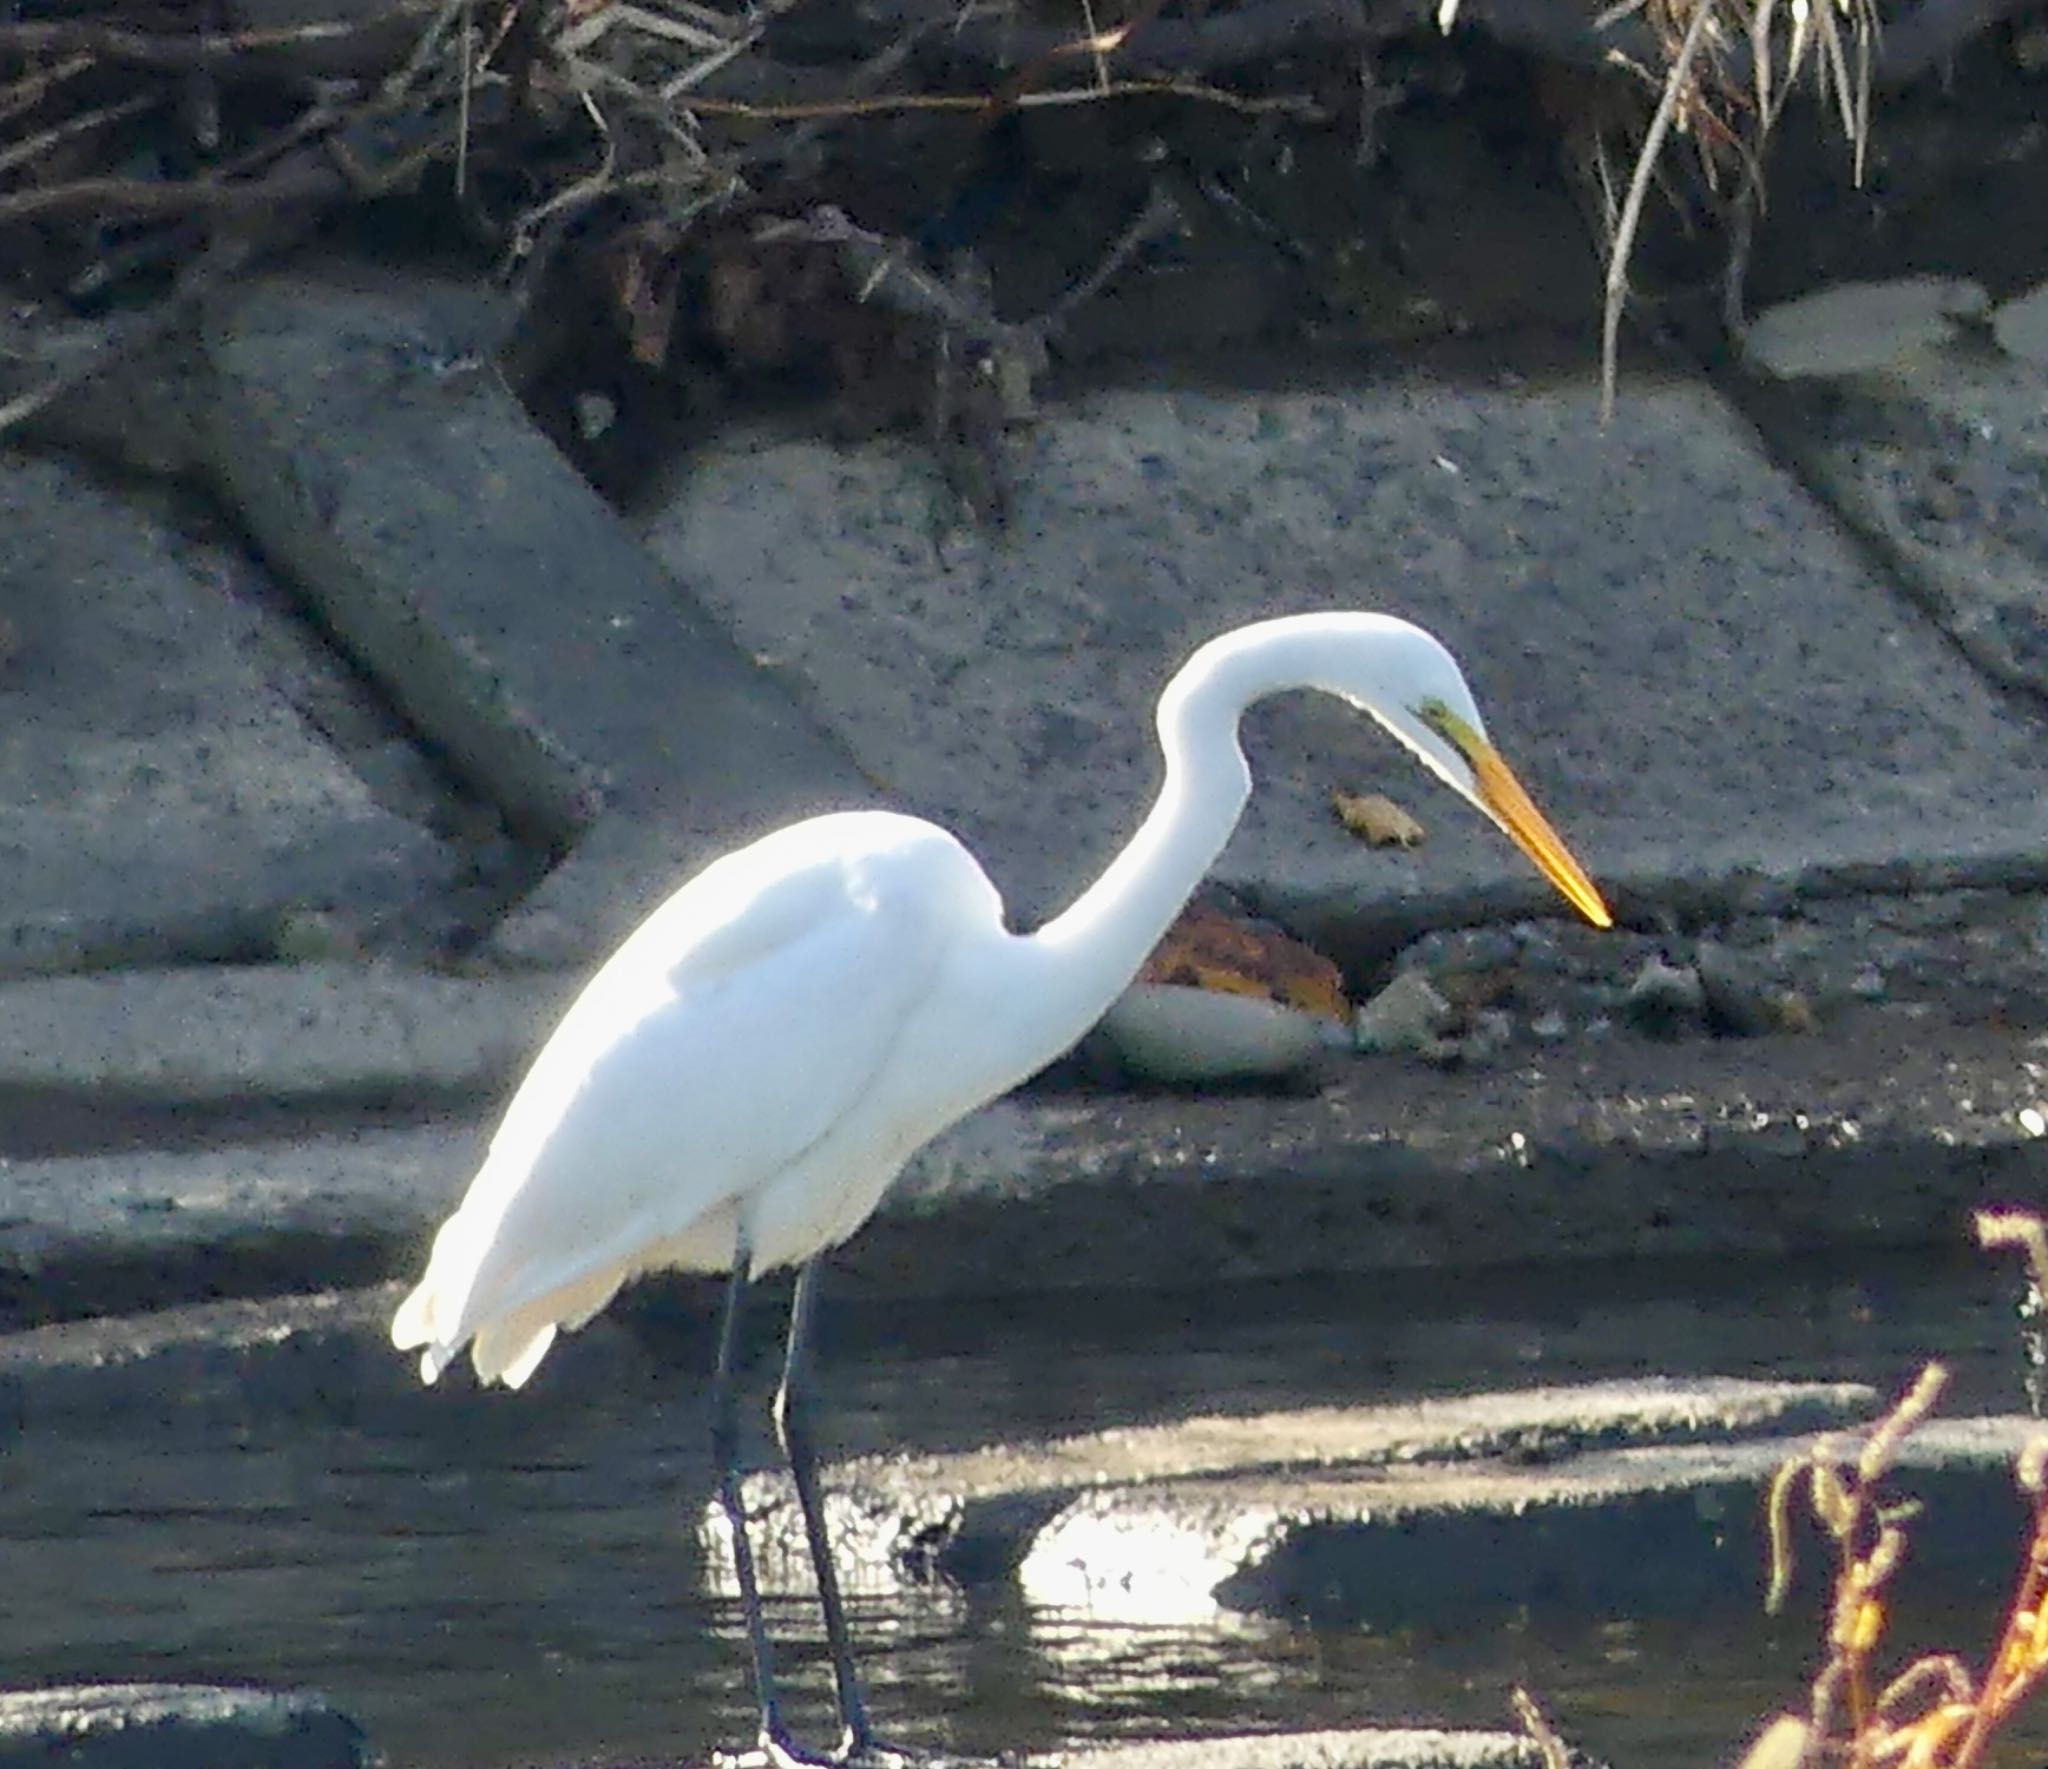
(894, 103)
(85, 123)
(1555, 1752)
(1631, 217)
(171, 50)
(35, 87)
(1954, 1716)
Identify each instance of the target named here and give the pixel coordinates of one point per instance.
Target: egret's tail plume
(507, 1345)
(505, 1351)
(413, 1326)
(509, 1352)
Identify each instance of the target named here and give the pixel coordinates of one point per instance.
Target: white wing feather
(745, 1020)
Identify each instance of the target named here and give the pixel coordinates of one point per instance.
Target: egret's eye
(1456, 731)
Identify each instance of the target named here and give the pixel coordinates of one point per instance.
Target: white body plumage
(759, 1060)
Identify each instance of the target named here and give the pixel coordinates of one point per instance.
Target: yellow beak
(1502, 794)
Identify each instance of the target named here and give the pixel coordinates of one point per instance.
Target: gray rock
(1446, 950)
(1408, 1014)
(1741, 997)
(1665, 1000)
(1873, 1135)
(344, 1031)
(1860, 328)
(138, 415)
(1939, 468)
(1490, 1033)
(161, 796)
(2021, 325)
(820, 561)
(1629, 1532)
(176, 1726)
(365, 441)
(147, 1229)
(1006, 689)
(899, 1517)
(198, 1371)
(314, 936)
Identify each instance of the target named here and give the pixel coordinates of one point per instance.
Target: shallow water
(525, 1590)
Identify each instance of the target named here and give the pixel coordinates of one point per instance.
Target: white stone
(1170, 1032)
(2021, 325)
(1859, 328)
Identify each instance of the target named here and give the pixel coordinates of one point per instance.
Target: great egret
(737, 1087)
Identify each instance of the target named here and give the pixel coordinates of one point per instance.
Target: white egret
(737, 1087)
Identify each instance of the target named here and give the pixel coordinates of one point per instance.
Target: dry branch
(361, 47)
(584, 120)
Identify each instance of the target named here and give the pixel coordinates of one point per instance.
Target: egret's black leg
(725, 1450)
(792, 1423)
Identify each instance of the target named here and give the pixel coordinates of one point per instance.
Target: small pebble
(1461, 949)
(1665, 1000)
(1492, 1032)
(314, 936)
(1739, 999)
(1408, 1014)
(1795, 1013)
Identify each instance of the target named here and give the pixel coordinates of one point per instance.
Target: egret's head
(1421, 696)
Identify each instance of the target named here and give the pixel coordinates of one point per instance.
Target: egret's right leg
(776, 1744)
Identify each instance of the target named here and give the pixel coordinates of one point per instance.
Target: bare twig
(896, 103)
(1554, 1751)
(254, 54)
(37, 85)
(1632, 205)
(1000, 42)
(361, 156)
(889, 272)
(426, 52)
(32, 147)
(1160, 216)
(141, 198)
(466, 37)
(584, 35)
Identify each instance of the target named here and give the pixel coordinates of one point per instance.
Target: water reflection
(526, 1588)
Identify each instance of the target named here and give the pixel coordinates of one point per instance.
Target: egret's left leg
(793, 1425)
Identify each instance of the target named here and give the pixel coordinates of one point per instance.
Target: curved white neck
(1100, 942)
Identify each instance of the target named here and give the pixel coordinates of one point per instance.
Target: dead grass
(1935, 1712)
(607, 120)
(1731, 67)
